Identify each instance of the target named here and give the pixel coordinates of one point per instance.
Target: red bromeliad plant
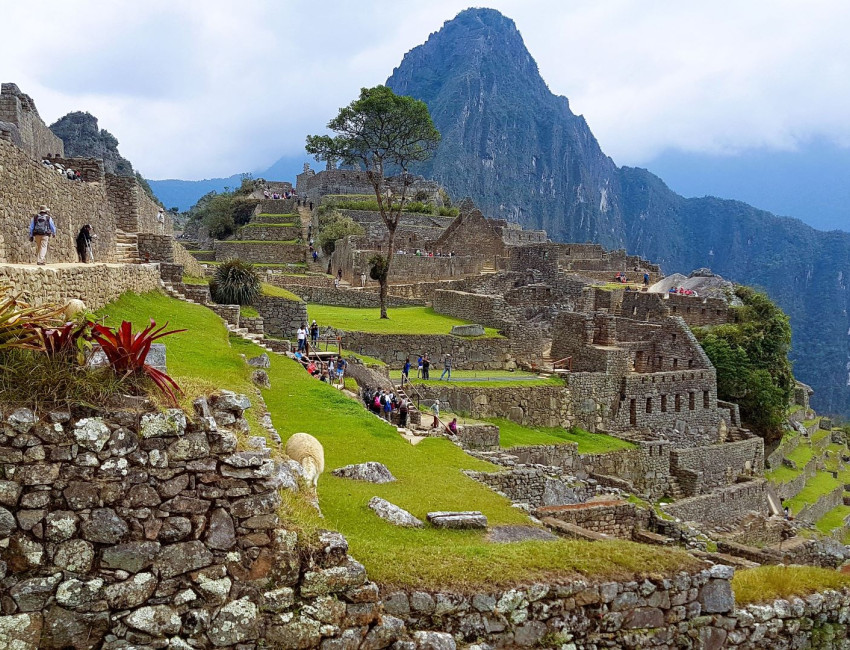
(128, 352)
(67, 339)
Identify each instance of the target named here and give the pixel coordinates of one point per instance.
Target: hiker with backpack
(42, 229)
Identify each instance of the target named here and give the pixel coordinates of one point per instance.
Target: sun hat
(44, 208)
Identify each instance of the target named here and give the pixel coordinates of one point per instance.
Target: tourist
(84, 238)
(447, 367)
(42, 229)
(314, 334)
(426, 367)
(78, 176)
(419, 367)
(402, 413)
(339, 274)
(160, 220)
(340, 370)
(646, 279)
(363, 279)
(336, 283)
(315, 256)
(266, 193)
(70, 174)
(453, 426)
(387, 405)
(324, 376)
(301, 334)
(405, 372)
(435, 411)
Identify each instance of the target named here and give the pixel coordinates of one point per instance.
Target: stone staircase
(175, 292)
(674, 490)
(127, 247)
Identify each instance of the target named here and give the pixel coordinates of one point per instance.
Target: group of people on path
(67, 172)
(331, 371)
(42, 228)
(277, 196)
(384, 403)
(423, 368)
(303, 332)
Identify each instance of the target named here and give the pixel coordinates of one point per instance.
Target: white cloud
(198, 89)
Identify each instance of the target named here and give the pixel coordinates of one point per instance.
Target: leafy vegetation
(512, 434)
(406, 320)
(235, 283)
(223, 212)
(766, 583)
(819, 485)
(751, 358)
(334, 225)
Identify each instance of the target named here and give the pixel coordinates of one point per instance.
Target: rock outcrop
(83, 139)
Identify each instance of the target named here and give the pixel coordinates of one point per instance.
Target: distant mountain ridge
(521, 154)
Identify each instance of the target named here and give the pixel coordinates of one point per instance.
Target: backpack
(377, 401)
(41, 224)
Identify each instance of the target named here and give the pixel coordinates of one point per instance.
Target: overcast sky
(215, 87)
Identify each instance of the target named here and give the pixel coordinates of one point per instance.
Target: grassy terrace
(766, 583)
(801, 455)
(819, 485)
(514, 435)
(782, 474)
(402, 320)
(429, 474)
(833, 519)
(267, 290)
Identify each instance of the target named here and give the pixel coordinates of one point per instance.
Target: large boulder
(371, 472)
(393, 514)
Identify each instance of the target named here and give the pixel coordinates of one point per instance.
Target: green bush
(751, 358)
(333, 225)
(223, 212)
(235, 283)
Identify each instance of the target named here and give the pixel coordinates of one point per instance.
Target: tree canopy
(751, 359)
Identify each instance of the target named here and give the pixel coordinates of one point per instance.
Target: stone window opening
(675, 363)
(705, 401)
(678, 403)
(632, 412)
(690, 363)
(690, 401)
(649, 404)
(663, 403)
(674, 337)
(674, 309)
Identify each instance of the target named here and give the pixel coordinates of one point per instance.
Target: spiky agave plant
(235, 283)
(127, 352)
(19, 320)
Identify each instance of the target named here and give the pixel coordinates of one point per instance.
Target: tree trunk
(385, 280)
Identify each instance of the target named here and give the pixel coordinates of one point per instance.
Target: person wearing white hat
(42, 229)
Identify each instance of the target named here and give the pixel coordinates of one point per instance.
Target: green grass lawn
(820, 434)
(820, 484)
(782, 474)
(191, 279)
(279, 292)
(832, 519)
(402, 320)
(801, 455)
(766, 583)
(429, 474)
(512, 434)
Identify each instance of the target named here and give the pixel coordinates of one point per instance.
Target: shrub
(128, 352)
(751, 358)
(19, 321)
(333, 226)
(235, 283)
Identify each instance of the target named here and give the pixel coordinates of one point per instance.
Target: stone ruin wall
(134, 210)
(696, 312)
(347, 298)
(260, 253)
(27, 184)
(718, 465)
(164, 248)
(19, 109)
(615, 519)
(132, 529)
(281, 317)
(724, 506)
(314, 185)
(487, 310)
(95, 284)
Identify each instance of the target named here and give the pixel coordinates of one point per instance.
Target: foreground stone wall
(685, 611)
(94, 284)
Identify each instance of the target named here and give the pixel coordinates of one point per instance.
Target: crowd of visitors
(681, 291)
(384, 403)
(278, 196)
(67, 172)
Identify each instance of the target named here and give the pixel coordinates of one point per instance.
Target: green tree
(334, 225)
(380, 131)
(751, 359)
